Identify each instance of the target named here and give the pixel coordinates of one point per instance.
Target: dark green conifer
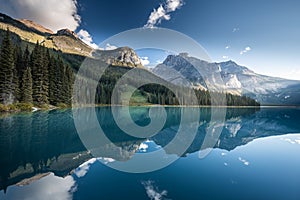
(6, 70)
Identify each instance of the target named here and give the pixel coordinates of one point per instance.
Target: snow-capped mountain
(229, 76)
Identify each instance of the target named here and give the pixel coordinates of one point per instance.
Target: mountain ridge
(64, 40)
(67, 41)
(236, 79)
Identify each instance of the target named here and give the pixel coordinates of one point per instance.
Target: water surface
(256, 157)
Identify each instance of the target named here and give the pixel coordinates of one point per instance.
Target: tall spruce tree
(39, 75)
(17, 72)
(26, 89)
(52, 81)
(45, 69)
(6, 70)
(16, 85)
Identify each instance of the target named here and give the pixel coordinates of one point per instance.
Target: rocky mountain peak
(232, 67)
(236, 79)
(123, 56)
(67, 32)
(176, 60)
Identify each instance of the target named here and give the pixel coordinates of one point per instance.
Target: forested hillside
(35, 75)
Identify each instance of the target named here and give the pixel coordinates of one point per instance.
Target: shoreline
(51, 107)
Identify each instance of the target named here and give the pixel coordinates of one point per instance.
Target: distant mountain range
(178, 69)
(184, 70)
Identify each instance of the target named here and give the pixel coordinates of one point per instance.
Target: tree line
(36, 77)
(42, 77)
(161, 94)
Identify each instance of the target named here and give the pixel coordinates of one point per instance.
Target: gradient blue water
(257, 157)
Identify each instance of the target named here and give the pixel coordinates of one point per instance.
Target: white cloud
(84, 168)
(225, 57)
(153, 192)
(110, 47)
(245, 162)
(223, 154)
(87, 38)
(227, 47)
(143, 147)
(235, 29)
(106, 160)
(172, 5)
(46, 188)
(52, 14)
(246, 50)
(162, 12)
(145, 61)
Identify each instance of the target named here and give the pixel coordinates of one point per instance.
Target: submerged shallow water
(255, 157)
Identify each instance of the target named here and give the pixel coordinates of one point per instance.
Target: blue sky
(271, 28)
(263, 35)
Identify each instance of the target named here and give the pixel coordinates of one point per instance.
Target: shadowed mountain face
(184, 70)
(48, 142)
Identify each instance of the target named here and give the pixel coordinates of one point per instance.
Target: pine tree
(68, 84)
(45, 72)
(6, 70)
(25, 59)
(16, 85)
(52, 81)
(26, 94)
(40, 74)
(17, 72)
(60, 79)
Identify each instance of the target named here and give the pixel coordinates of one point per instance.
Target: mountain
(66, 41)
(184, 70)
(31, 32)
(123, 56)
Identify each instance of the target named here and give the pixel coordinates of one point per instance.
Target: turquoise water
(255, 157)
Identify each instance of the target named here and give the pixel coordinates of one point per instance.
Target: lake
(255, 155)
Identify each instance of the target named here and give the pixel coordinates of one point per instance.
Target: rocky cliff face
(184, 70)
(123, 56)
(67, 32)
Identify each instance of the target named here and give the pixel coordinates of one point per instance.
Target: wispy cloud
(227, 47)
(246, 50)
(153, 191)
(54, 14)
(291, 141)
(225, 57)
(163, 12)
